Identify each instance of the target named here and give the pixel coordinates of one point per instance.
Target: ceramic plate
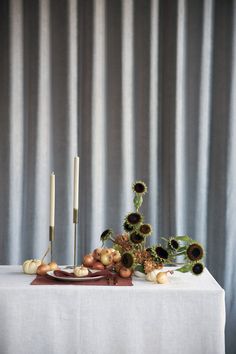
(51, 273)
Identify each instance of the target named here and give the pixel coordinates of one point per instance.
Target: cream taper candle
(76, 183)
(52, 199)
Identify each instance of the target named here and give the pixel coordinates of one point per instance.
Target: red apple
(98, 265)
(125, 272)
(88, 260)
(43, 269)
(97, 254)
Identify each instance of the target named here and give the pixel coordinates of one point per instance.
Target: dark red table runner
(109, 280)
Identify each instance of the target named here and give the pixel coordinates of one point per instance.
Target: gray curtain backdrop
(140, 90)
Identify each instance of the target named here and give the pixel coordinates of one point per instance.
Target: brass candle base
(75, 216)
(75, 221)
(51, 239)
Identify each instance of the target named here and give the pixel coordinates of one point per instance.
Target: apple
(43, 269)
(88, 260)
(53, 265)
(125, 272)
(105, 251)
(98, 265)
(106, 259)
(97, 254)
(116, 256)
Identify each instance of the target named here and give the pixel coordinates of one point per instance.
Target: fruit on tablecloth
(43, 269)
(88, 260)
(162, 277)
(101, 258)
(81, 271)
(125, 272)
(106, 259)
(116, 256)
(30, 266)
(53, 265)
(97, 254)
(151, 276)
(105, 252)
(98, 265)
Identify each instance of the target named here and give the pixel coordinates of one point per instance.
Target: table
(186, 316)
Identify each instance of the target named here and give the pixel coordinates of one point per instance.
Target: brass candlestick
(51, 239)
(75, 222)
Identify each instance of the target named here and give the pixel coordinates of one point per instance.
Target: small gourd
(30, 266)
(151, 276)
(81, 271)
(162, 277)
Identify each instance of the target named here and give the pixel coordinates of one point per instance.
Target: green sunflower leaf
(182, 249)
(186, 268)
(185, 238)
(140, 268)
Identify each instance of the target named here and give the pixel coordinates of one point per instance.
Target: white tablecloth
(185, 317)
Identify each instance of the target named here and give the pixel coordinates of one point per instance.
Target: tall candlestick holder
(75, 222)
(51, 239)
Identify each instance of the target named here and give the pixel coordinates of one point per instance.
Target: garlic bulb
(30, 266)
(162, 278)
(81, 271)
(151, 276)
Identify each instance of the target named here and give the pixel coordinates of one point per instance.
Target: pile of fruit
(106, 258)
(36, 266)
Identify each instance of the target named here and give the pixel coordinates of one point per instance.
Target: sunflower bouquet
(131, 244)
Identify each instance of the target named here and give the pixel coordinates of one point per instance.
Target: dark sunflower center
(127, 260)
(145, 229)
(134, 218)
(161, 252)
(128, 227)
(105, 234)
(174, 244)
(139, 188)
(136, 238)
(196, 252)
(197, 268)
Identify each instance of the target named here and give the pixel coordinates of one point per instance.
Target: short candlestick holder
(51, 239)
(75, 222)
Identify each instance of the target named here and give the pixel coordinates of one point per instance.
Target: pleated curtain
(140, 90)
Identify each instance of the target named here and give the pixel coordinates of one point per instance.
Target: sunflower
(162, 253)
(127, 259)
(173, 244)
(106, 235)
(127, 227)
(197, 268)
(136, 238)
(145, 229)
(139, 187)
(195, 252)
(133, 219)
